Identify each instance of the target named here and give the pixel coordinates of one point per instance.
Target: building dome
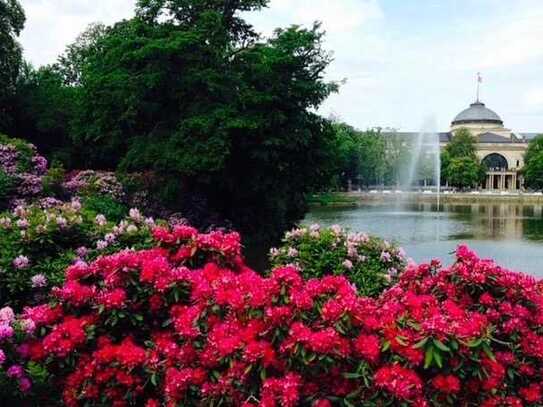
(477, 113)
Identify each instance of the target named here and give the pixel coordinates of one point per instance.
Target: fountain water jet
(425, 153)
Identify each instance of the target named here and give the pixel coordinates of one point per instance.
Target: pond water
(511, 234)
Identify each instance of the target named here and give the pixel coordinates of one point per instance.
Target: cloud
(533, 100)
(336, 16)
(53, 24)
(401, 61)
(516, 42)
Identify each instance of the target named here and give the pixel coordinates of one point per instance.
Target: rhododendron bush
(21, 171)
(187, 323)
(372, 264)
(38, 242)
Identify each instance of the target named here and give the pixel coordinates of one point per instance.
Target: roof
(494, 138)
(444, 137)
(477, 113)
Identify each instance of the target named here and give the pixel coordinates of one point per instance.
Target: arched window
(495, 161)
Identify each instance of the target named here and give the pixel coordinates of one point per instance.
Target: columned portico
(502, 181)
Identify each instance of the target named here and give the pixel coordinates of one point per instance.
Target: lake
(511, 234)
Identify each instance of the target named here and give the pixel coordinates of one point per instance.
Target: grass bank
(333, 199)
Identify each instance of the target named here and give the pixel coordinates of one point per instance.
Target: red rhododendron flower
(402, 383)
(448, 384)
(369, 347)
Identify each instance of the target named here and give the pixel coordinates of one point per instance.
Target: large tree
(45, 99)
(187, 89)
(43, 108)
(460, 165)
(533, 163)
(12, 19)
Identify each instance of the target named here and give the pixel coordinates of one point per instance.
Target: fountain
(425, 159)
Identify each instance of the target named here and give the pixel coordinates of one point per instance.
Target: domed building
(501, 150)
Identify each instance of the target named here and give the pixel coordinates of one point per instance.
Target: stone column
(502, 179)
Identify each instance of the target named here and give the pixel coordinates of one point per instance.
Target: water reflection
(511, 233)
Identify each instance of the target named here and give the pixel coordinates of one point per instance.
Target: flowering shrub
(14, 377)
(21, 170)
(187, 323)
(38, 242)
(370, 263)
(90, 182)
(467, 335)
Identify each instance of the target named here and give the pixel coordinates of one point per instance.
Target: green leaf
(438, 358)
(420, 343)
(441, 346)
(401, 341)
(428, 357)
(352, 375)
(488, 351)
(474, 343)
(386, 346)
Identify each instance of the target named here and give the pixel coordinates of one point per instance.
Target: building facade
(499, 149)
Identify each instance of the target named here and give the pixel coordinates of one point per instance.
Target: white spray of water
(425, 147)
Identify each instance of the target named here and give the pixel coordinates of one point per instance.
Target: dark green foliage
(6, 188)
(43, 111)
(189, 91)
(533, 164)
(464, 172)
(230, 27)
(12, 20)
(221, 117)
(108, 206)
(369, 157)
(52, 181)
(460, 165)
(348, 154)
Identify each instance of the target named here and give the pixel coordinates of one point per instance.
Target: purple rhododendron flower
(6, 331)
(39, 281)
(7, 315)
(21, 262)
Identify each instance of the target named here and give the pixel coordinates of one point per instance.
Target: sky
(404, 62)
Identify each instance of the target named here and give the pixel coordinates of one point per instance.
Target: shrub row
(187, 323)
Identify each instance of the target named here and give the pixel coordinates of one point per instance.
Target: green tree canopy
(347, 145)
(462, 145)
(12, 20)
(366, 157)
(188, 90)
(43, 109)
(533, 163)
(460, 165)
(464, 172)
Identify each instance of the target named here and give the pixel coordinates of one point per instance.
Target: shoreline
(354, 199)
